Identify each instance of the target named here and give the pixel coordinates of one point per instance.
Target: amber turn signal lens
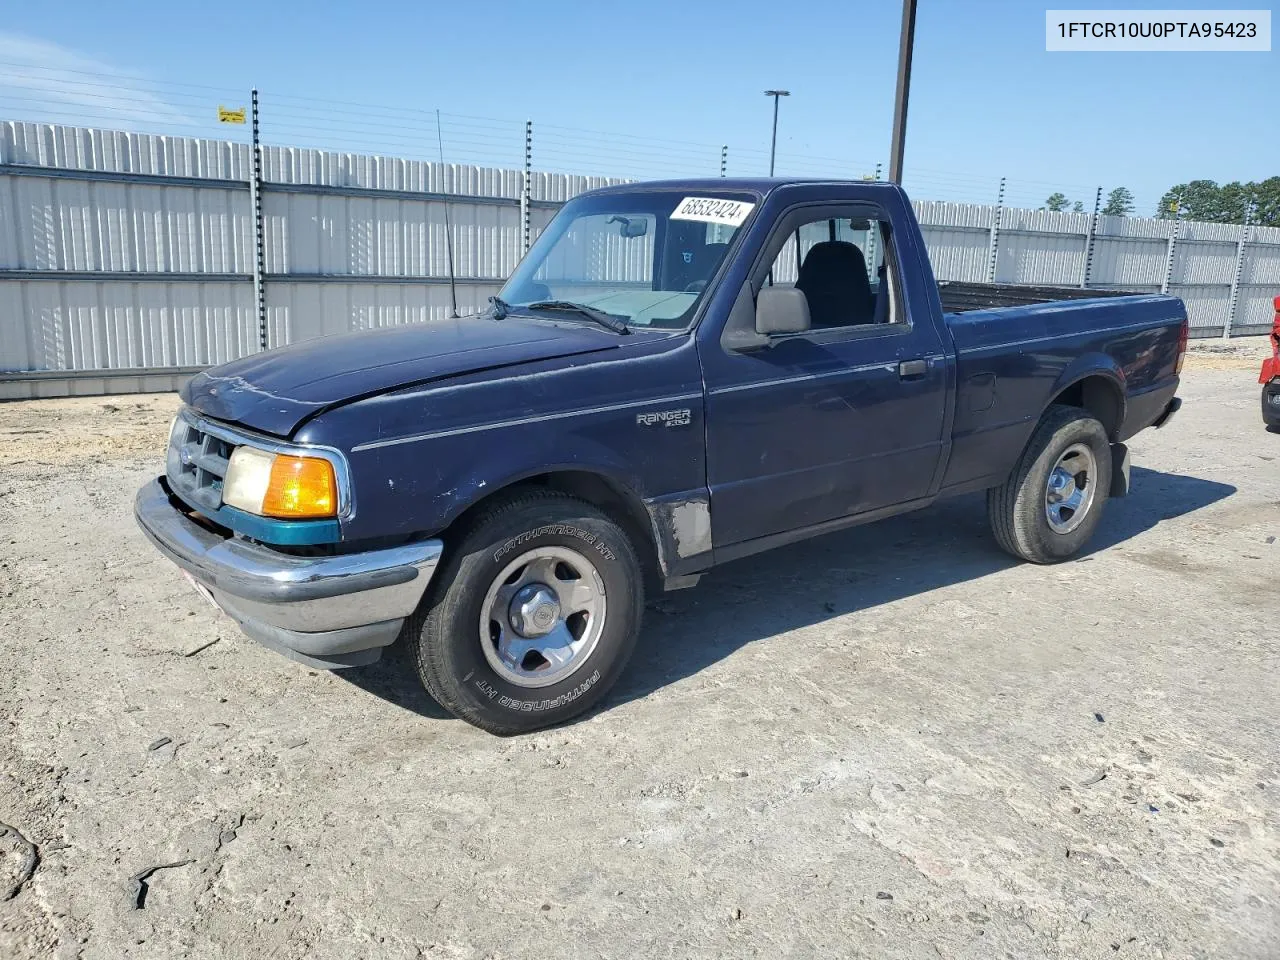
(301, 487)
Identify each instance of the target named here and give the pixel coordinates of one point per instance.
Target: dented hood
(277, 390)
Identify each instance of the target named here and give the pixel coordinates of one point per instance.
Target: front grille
(197, 463)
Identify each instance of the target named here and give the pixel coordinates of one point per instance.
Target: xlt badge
(669, 418)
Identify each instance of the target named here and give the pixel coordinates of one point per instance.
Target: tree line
(1119, 203)
(1235, 202)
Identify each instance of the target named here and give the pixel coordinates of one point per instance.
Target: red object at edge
(1271, 365)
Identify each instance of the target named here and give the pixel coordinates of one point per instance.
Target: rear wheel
(1048, 508)
(534, 616)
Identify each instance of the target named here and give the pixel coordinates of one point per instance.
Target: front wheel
(1048, 508)
(534, 616)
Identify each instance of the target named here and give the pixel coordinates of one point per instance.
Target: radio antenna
(448, 230)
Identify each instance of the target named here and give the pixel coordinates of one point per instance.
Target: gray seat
(833, 278)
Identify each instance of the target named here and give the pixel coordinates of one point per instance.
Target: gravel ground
(1241, 353)
(890, 742)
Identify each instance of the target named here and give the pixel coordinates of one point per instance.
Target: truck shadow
(394, 678)
(803, 584)
(858, 569)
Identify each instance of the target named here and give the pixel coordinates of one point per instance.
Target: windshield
(645, 257)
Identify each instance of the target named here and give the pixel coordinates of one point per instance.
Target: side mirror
(781, 310)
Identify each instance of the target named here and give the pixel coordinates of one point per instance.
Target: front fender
(486, 479)
(421, 486)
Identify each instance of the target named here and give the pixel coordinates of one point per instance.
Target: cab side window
(841, 266)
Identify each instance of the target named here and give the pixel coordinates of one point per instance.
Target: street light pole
(773, 144)
(906, 43)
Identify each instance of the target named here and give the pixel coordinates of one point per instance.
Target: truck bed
(961, 297)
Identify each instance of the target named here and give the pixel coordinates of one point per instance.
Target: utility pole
(773, 144)
(906, 43)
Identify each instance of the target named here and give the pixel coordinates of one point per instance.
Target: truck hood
(275, 391)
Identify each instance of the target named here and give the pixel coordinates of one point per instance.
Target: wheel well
(1100, 396)
(620, 504)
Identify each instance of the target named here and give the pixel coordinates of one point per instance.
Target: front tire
(534, 615)
(1052, 502)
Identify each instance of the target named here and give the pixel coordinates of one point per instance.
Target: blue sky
(654, 88)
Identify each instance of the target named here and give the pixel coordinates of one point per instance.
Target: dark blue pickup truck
(677, 375)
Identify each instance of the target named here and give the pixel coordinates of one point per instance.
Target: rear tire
(533, 617)
(1052, 502)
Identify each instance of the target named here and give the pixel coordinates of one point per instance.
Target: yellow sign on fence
(230, 116)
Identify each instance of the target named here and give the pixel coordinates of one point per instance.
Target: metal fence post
(1091, 236)
(724, 160)
(259, 241)
(1245, 231)
(995, 234)
(1168, 265)
(526, 187)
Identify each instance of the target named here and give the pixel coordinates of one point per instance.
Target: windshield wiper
(499, 308)
(608, 321)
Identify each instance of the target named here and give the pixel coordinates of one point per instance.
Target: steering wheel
(696, 287)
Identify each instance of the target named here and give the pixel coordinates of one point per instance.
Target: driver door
(841, 419)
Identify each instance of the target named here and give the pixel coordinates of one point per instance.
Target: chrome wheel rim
(542, 616)
(1070, 489)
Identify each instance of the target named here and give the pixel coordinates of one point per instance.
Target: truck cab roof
(759, 185)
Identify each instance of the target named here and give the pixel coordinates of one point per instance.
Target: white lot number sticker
(709, 210)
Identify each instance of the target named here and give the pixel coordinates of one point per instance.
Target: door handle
(912, 369)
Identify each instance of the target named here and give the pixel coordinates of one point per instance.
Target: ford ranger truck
(677, 375)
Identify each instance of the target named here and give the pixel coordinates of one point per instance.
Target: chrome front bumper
(326, 611)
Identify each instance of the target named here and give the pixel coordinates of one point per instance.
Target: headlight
(280, 485)
(173, 452)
